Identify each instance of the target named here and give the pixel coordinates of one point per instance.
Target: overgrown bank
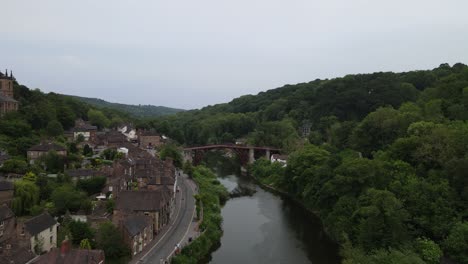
(212, 195)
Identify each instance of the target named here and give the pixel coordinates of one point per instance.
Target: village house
(41, 231)
(13, 247)
(83, 128)
(68, 255)
(7, 224)
(6, 192)
(137, 231)
(155, 204)
(283, 159)
(42, 149)
(7, 102)
(149, 139)
(14, 252)
(114, 139)
(129, 132)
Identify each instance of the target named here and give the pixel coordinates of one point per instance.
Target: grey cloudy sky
(189, 54)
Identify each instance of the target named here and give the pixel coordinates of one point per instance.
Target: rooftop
(39, 223)
(73, 256)
(142, 200)
(136, 224)
(80, 172)
(6, 186)
(47, 146)
(5, 212)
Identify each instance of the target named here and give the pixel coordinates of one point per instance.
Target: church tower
(7, 102)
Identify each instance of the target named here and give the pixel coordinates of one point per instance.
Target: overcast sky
(189, 54)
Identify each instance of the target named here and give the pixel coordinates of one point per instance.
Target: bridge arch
(246, 154)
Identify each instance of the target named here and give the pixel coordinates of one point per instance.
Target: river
(261, 227)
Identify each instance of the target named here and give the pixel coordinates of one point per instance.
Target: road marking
(191, 220)
(171, 226)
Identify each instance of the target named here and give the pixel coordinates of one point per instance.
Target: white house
(283, 159)
(42, 232)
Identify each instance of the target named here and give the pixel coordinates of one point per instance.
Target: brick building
(42, 149)
(7, 102)
(68, 255)
(149, 139)
(7, 224)
(137, 232)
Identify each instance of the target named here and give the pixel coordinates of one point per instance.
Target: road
(177, 230)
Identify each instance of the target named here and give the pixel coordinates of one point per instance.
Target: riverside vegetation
(384, 165)
(212, 195)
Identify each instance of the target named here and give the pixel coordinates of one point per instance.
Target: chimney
(65, 247)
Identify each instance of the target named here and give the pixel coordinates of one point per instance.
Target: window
(51, 239)
(8, 246)
(2, 223)
(1, 233)
(50, 229)
(22, 230)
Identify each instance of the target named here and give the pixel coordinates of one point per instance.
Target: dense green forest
(46, 116)
(384, 166)
(136, 111)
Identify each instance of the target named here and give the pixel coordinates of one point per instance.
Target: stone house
(42, 149)
(149, 139)
(6, 192)
(7, 102)
(137, 231)
(68, 255)
(155, 204)
(41, 231)
(85, 129)
(7, 224)
(115, 139)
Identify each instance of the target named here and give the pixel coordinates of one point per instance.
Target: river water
(261, 227)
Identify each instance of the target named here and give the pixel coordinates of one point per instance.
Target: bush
(211, 196)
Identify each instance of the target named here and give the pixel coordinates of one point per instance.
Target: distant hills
(139, 111)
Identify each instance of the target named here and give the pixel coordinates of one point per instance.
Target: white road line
(178, 211)
(190, 224)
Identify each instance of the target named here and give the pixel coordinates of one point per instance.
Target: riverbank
(212, 195)
(284, 194)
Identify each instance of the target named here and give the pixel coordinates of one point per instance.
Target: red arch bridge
(246, 154)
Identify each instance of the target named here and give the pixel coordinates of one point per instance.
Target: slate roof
(5, 212)
(47, 146)
(164, 181)
(142, 200)
(84, 128)
(39, 223)
(74, 256)
(80, 172)
(17, 254)
(278, 156)
(6, 186)
(136, 224)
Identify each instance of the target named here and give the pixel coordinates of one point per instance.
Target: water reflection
(264, 228)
